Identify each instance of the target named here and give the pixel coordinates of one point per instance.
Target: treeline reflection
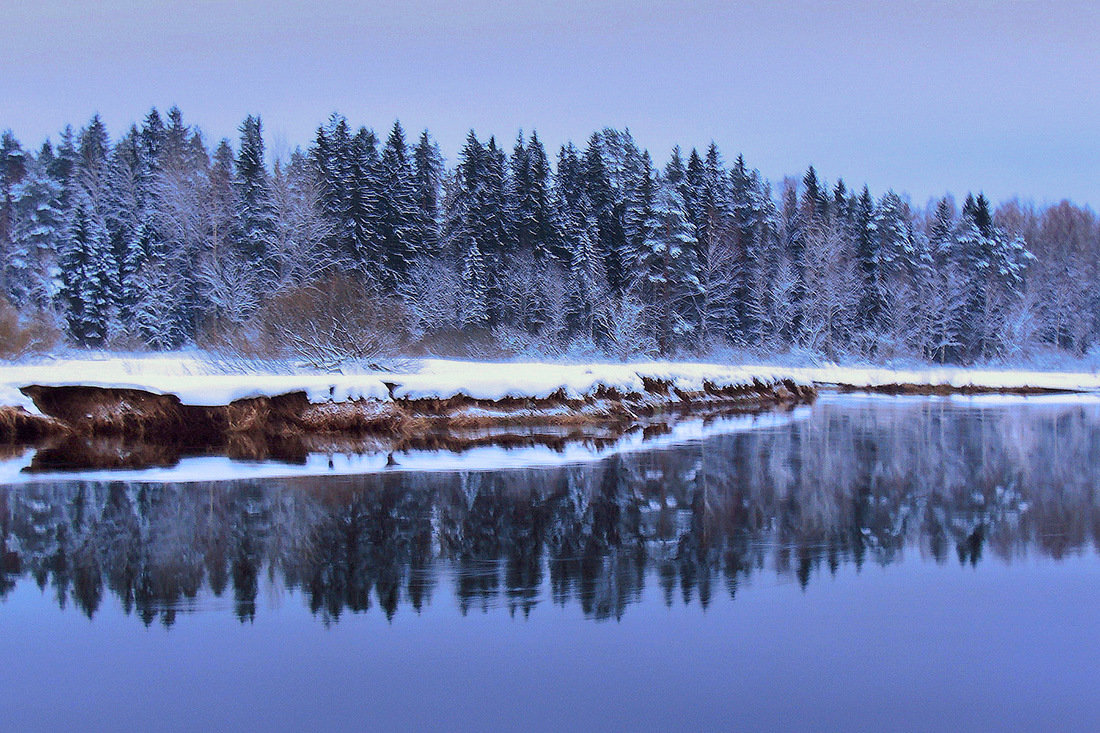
(854, 483)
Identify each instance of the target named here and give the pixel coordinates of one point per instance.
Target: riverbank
(170, 401)
(191, 400)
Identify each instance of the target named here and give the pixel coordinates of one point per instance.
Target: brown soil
(96, 411)
(19, 426)
(94, 427)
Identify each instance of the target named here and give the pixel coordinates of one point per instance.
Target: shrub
(332, 321)
(26, 334)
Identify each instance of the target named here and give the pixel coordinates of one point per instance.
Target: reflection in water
(857, 482)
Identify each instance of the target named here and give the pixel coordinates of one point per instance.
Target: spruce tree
(896, 251)
(87, 266)
(538, 204)
(639, 218)
(586, 276)
(30, 267)
(427, 180)
(610, 240)
(362, 185)
(866, 246)
(395, 214)
(517, 191)
(667, 281)
(746, 215)
(254, 216)
(331, 158)
(814, 201)
(475, 295)
(127, 217)
(13, 166)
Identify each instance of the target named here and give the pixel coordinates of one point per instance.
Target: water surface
(907, 564)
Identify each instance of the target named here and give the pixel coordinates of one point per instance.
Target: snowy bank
(196, 382)
(184, 396)
(185, 399)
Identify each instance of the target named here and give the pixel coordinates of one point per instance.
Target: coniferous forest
(365, 245)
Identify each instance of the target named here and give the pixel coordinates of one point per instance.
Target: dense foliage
(157, 240)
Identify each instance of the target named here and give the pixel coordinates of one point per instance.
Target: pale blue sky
(922, 96)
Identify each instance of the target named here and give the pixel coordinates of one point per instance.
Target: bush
(332, 321)
(26, 334)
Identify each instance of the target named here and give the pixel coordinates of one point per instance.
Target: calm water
(899, 564)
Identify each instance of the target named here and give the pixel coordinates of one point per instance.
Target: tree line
(155, 240)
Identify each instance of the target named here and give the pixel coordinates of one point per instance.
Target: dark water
(881, 564)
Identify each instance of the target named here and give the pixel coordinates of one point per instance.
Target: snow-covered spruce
(154, 239)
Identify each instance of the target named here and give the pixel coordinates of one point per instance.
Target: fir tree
(427, 180)
(866, 246)
(475, 311)
(254, 220)
(667, 281)
(86, 268)
(395, 214)
(30, 268)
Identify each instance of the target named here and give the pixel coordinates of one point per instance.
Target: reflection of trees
(852, 484)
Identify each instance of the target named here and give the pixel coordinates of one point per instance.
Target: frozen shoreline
(171, 397)
(196, 381)
(176, 401)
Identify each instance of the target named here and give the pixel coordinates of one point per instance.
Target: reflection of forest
(855, 483)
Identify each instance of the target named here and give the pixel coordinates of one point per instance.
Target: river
(870, 563)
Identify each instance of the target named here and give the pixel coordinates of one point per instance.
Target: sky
(923, 97)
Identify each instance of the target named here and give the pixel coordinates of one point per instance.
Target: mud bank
(19, 426)
(95, 412)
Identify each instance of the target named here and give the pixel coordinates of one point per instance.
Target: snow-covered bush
(331, 322)
(624, 328)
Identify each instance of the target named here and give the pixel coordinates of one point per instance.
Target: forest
(361, 247)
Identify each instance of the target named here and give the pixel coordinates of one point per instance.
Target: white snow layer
(197, 382)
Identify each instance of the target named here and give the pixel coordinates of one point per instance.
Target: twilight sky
(921, 96)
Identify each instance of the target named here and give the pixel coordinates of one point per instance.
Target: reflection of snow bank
(482, 458)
